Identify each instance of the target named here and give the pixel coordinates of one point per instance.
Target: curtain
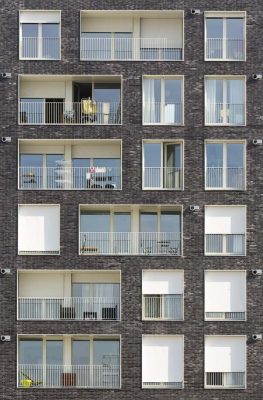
(149, 109)
(235, 96)
(211, 111)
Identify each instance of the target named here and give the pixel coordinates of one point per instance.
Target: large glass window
(225, 38)
(163, 101)
(225, 101)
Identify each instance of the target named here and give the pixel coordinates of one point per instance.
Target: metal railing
(225, 49)
(40, 48)
(225, 178)
(225, 114)
(69, 308)
(163, 113)
(130, 49)
(57, 376)
(225, 379)
(62, 178)
(162, 178)
(69, 113)
(130, 243)
(225, 244)
(163, 385)
(225, 316)
(169, 306)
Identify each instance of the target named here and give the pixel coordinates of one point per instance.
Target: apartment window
(40, 35)
(225, 230)
(225, 362)
(163, 100)
(38, 229)
(106, 45)
(225, 295)
(225, 101)
(162, 165)
(162, 295)
(225, 37)
(162, 362)
(225, 165)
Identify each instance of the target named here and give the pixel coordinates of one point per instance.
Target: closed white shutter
(162, 359)
(39, 228)
(225, 353)
(225, 219)
(225, 291)
(162, 28)
(43, 17)
(163, 282)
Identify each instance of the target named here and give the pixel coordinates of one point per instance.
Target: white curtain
(235, 97)
(149, 114)
(210, 101)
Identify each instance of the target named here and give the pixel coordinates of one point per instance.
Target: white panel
(225, 291)
(38, 228)
(225, 353)
(162, 359)
(162, 28)
(227, 14)
(29, 148)
(41, 284)
(225, 219)
(97, 150)
(163, 282)
(39, 17)
(97, 277)
(43, 89)
(107, 24)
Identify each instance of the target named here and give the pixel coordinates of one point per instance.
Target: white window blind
(225, 353)
(225, 220)
(40, 17)
(162, 358)
(163, 282)
(39, 228)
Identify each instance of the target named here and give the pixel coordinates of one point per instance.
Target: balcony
(163, 178)
(225, 244)
(225, 316)
(40, 48)
(163, 307)
(131, 35)
(130, 243)
(228, 178)
(69, 100)
(63, 376)
(163, 113)
(225, 114)
(69, 308)
(230, 380)
(225, 49)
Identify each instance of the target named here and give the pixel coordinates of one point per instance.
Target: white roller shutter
(225, 219)
(43, 17)
(162, 282)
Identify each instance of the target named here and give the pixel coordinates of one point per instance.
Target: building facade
(131, 189)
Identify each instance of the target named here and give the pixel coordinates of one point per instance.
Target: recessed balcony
(70, 100)
(131, 35)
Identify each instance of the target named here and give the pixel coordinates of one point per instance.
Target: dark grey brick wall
(132, 132)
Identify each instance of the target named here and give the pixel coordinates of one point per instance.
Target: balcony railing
(130, 49)
(59, 376)
(69, 308)
(163, 113)
(130, 243)
(163, 307)
(225, 178)
(225, 379)
(225, 114)
(40, 48)
(225, 49)
(222, 244)
(225, 316)
(163, 385)
(61, 178)
(162, 178)
(69, 113)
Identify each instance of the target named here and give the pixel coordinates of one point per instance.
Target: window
(225, 101)
(106, 45)
(225, 362)
(225, 295)
(162, 165)
(225, 165)
(225, 37)
(38, 229)
(163, 100)
(162, 362)
(225, 230)
(40, 35)
(162, 295)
